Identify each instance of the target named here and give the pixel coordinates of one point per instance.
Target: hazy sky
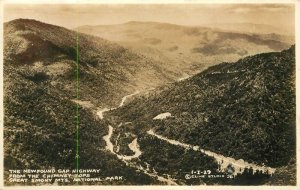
(71, 16)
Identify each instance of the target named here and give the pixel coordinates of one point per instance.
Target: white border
(297, 53)
(147, 1)
(1, 99)
(297, 39)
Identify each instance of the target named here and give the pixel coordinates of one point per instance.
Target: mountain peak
(141, 22)
(28, 24)
(24, 21)
(150, 23)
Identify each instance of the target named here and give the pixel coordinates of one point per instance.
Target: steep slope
(40, 133)
(39, 90)
(107, 70)
(243, 105)
(187, 50)
(245, 110)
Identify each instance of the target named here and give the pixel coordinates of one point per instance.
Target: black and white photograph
(149, 94)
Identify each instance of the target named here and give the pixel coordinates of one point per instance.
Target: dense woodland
(107, 71)
(40, 130)
(40, 84)
(245, 110)
(167, 159)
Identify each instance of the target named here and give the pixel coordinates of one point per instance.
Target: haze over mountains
(187, 49)
(248, 106)
(254, 28)
(107, 70)
(40, 86)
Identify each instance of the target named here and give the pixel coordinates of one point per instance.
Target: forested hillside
(107, 71)
(245, 110)
(40, 87)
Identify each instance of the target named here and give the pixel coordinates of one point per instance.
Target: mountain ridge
(188, 49)
(234, 102)
(35, 44)
(248, 106)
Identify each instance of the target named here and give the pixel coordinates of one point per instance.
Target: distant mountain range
(107, 70)
(243, 110)
(40, 92)
(253, 28)
(189, 49)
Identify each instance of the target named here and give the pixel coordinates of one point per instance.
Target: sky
(72, 15)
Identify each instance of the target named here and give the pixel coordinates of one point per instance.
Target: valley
(187, 50)
(156, 102)
(181, 111)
